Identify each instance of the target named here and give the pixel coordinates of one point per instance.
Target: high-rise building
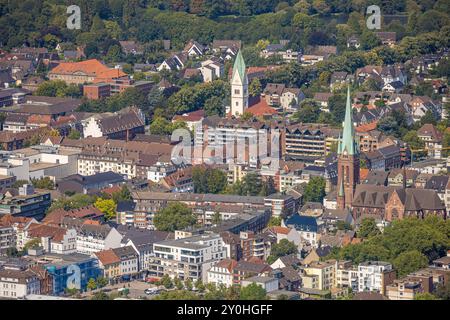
(348, 160)
(239, 87)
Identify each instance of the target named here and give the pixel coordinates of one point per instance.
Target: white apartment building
(188, 257)
(94, 238)
(15, 284)
(371, 275)
(221, 273)
(53, 239)
(129, 260)
(160, 170)
(346, 275)
(90, 164)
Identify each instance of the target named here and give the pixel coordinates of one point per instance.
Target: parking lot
(136, 289)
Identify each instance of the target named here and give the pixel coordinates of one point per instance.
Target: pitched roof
(430, 130)
(107, 257)
(239, 66)
(228, 264)
(41, 230)
(261, 108)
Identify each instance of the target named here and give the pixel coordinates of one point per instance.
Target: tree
(255, 89)
(107, 206)
(188, 284)
(246, 116)
(166, 282)
(424, 296)
(251, 184)
(74, 134)
(12, 252)
(74, 202)
(216, 218)
(123, 195)
(413, 140)
(369, 40)
(102, 282)
(253, 292)
(100, 296)
(214, 106)
(308, 111)
(274, 222)
(19, 183)
(43, 183)
(178, 284)
(315, 190)
(177, 295)
(443, 291)
(368, 228)
(92, 285)
(281, 249)
(409, 261)
(428, 118)
(175, 216)
(31, 244)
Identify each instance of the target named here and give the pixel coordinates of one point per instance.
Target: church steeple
(348, 159)
(347, 143)
(239, 87)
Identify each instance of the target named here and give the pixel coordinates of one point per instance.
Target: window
(237, 91)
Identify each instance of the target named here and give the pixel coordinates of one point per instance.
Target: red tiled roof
(367, 127)
(191, 116)
(261, 108)
(91, 67)
(282, 230)
(107, 257)
(42, 230)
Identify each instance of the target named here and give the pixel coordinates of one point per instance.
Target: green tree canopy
(176, 216)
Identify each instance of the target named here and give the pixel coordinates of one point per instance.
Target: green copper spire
(239, 66)
(348, 143)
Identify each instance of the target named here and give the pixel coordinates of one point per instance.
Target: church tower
(239, 87)
(348, 160)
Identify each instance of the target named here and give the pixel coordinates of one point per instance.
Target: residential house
(53, 239)
(222, 273)
(432, 138)
(124, 124)
(246, 269)
(17, 284)
(269, 284)
(306, 226)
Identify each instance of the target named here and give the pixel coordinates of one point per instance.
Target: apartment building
(187, 258)
(404, 289)
(123, 125)
(222, 272)
(375, 276)
(16, 284)
(346, 275)
(129, 261)
(91, 238)
(132, 159)
(319, 275)
(25, 202)
(53, 239)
